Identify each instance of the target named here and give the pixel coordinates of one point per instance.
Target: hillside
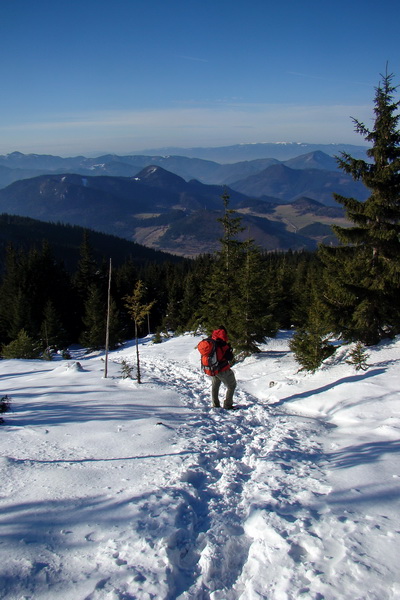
(306, 216)
(65, 241)
(115, 490)
(161, 210)
(289, 184)
(172, 203)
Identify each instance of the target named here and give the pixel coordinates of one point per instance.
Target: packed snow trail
(210, 549)
(113, 490)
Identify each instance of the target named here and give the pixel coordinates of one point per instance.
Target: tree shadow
(269, 354)
(22, 373)
(81, 406)
(362, 454)
(71, 461)
(77, 526)
(330, 386)
(366, 494)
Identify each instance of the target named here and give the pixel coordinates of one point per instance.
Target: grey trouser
(229, 381)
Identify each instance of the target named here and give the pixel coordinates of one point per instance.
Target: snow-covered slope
(119, 491)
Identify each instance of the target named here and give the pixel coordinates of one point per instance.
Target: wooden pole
(108, 323)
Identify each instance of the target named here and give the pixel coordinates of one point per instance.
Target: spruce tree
(310, 343)
(279, 277)
(358, 357)
(93, 335)
(310, 348)
(15, 303)
(219, 288)
(87, 272)
(190, 300)
(234, 294)
(173, 316)
(362, 276)
(116, 329)
(24, 346)
(253, 308)
(52, 332)
(126, 370)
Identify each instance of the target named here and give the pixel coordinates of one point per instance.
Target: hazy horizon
(167, 149)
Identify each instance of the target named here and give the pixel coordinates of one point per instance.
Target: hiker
(221, 372)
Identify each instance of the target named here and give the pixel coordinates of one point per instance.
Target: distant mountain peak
(158, 176)
(317, 159)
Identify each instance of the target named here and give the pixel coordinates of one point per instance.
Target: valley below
(174, 203)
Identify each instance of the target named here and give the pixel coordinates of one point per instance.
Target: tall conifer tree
(87, 272)
(253, 307)
(234, 295)
(15, 311)
(94, 332)
(219, 290)
(363, 274)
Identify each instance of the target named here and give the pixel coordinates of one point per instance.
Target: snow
(113, 490)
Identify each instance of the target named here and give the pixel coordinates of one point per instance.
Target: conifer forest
(349, 291)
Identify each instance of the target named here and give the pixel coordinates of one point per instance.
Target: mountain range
(245, 152)
(156, 208)
(282, 206)
(250, 159)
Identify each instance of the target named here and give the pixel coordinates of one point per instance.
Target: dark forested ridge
(53, 282)
(65, 241)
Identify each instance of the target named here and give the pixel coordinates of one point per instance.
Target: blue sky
(94, 76)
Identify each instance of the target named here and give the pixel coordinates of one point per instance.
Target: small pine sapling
(5, 402)
(47, 354)
(358, 357)
(138, 311)
(126, 370)
(157, 339)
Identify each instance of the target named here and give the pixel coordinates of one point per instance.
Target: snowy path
(115, 491)
(230, 537)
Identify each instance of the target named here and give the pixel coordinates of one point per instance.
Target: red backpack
(209, 359)
(208, 351)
